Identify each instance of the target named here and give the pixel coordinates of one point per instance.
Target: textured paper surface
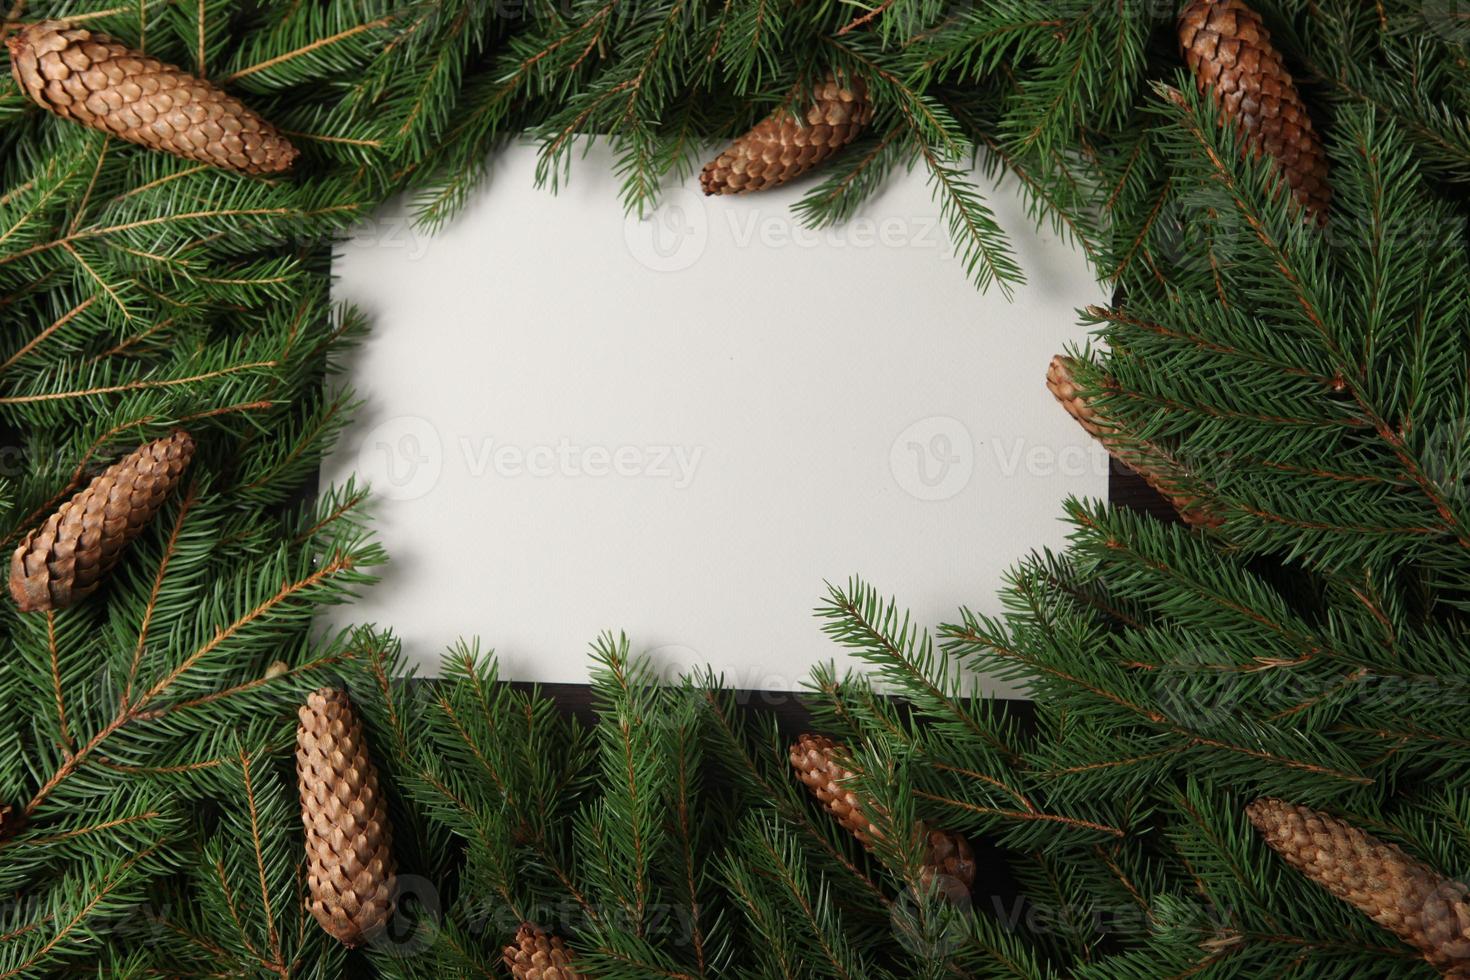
(681, 426)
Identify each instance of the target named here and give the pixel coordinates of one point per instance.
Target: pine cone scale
(101, 83)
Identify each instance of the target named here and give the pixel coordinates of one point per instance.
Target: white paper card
(681, 426)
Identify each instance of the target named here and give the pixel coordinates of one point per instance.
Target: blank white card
(681, 426)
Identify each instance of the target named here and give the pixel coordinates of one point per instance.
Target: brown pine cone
(1230, 52)
(1404, 896)
(948, 855)
(817, 761)
(781, 147)
(1064, 389)
(64, 560)
(349, 843)
(536, 955)
(103, 84)
(1160, 473)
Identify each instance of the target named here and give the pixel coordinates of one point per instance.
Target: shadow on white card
(679, 427)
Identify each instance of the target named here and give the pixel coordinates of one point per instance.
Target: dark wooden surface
(1127, 489)
(787, 707)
